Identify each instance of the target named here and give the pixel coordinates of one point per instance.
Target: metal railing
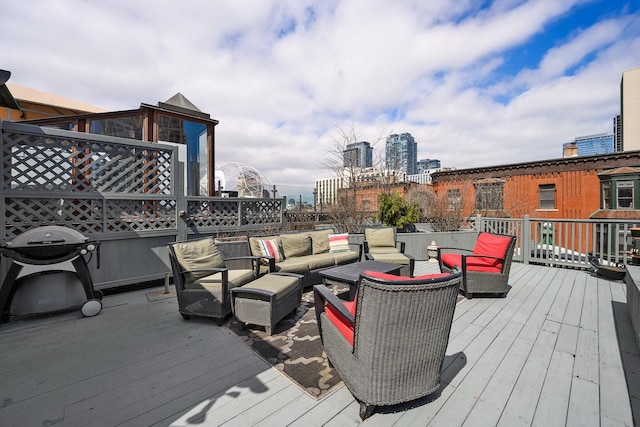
(565, 242)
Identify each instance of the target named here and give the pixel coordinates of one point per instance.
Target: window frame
(544, 190)
(605, 191)
(628, 186)
(454, 199)
(490, 196)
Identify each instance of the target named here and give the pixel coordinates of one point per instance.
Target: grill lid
(49, 235)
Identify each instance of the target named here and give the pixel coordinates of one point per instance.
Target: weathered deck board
(552, 353)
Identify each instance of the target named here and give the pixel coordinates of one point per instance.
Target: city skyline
(474, 83)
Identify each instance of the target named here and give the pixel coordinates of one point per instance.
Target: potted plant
(395, 211)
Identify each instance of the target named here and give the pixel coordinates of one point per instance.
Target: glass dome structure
(238, 180)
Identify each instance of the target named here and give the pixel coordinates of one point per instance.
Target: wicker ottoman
(266, 300)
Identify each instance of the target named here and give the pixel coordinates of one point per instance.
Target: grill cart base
(42, 256)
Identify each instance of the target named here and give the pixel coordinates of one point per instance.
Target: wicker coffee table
(349, 274)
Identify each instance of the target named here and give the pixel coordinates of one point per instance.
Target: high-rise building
(402, 153)
(617, 133)
(359, 155)
(326, 191)
(589, 145)
(427, 164)
(630, 109)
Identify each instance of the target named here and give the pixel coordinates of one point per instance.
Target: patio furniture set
(388, 340)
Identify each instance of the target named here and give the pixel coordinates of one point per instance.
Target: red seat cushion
(451, 260)
(344, 326)
(393, 277)
(488, 265)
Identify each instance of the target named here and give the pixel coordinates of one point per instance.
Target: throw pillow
(320, 241)
(271, 248)
(296, 244)
(338, 242)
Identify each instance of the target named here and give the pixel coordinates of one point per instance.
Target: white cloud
(281, 75)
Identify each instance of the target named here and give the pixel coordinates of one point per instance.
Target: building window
(618, 188)
(122, 127)
(489, 197)
(194, 135)
(625, 194)
(606, 195)
(454, 200)
(547, 196)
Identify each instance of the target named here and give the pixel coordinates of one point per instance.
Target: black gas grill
(43, 250)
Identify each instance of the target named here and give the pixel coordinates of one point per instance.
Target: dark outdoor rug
(295, 349)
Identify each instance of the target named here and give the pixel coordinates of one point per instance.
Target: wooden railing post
(479, 226)
(525, 241)
(182, 208)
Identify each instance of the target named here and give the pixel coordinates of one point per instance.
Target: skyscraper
(358, 155)
(427, 164)
(617, 133)
(402, 153)
(630, 109)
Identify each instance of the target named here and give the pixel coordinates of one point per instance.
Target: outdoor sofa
(305, 253)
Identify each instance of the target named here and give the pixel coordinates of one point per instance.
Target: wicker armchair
(203, 277)
(389, 344)
(485, 269)
(381, 244)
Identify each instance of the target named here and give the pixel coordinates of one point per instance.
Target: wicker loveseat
(306, 253)
(388, 345)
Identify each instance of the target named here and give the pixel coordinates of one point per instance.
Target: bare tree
(445, 211)
(345, 213)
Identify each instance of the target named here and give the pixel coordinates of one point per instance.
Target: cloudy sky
(476, 82)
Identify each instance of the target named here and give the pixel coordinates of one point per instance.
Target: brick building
(600, 186)
(366, 194)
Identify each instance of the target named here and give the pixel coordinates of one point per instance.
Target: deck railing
(565, 242)
(129, 196)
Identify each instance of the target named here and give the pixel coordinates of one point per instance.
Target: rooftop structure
(37, 104)
(239, 180)
(174, 122)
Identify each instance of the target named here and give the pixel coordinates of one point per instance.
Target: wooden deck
(554, 352)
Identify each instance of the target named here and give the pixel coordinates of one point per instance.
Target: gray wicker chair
(381, 244)
(203, 277)
(389, 344)
(485, 269)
